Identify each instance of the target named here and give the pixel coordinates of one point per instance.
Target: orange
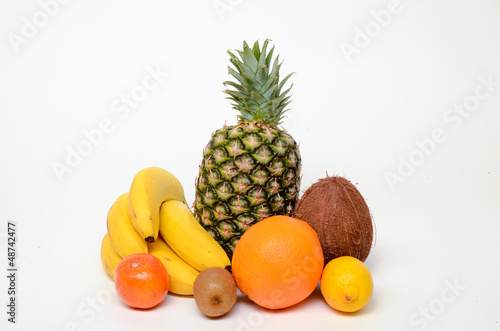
(278, 262)
(141, 280)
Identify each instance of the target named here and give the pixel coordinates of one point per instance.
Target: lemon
(346, 284)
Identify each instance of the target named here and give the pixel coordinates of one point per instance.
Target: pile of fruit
(248, 229)
(152, 218)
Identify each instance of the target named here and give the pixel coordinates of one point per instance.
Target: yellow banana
(150, 188)
(188, 238)
(181, 274)
(109, 257)
(125, 239)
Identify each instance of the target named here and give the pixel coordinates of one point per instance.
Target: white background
(360, 114)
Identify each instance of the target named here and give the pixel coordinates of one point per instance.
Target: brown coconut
(339, 214)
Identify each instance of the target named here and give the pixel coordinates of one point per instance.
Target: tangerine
(141, 280)
(278, 262)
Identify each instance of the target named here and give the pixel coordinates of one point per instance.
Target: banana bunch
(153, 218)
(109, 257)
(188, 238)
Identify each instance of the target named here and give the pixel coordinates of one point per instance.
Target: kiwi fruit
(214, 291)
(338, 212)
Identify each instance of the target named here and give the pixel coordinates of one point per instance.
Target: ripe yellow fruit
(346, 284)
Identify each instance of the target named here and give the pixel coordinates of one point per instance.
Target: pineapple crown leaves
(257, 95)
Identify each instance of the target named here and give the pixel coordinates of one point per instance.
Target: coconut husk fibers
(336, 210)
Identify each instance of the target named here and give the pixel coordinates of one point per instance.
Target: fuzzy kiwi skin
(338, 212)
(215, 291)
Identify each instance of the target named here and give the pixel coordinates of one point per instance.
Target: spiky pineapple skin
(250, 171)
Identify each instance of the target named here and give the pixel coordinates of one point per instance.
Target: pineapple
(250, 170)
